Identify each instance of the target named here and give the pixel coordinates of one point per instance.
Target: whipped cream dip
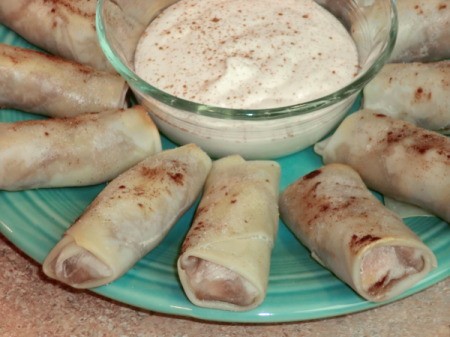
(252, 54)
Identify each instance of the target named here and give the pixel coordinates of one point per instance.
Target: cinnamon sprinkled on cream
(246, 54)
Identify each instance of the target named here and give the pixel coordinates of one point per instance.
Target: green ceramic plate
(299, 288)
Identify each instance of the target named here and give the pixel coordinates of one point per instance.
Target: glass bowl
(252, 133)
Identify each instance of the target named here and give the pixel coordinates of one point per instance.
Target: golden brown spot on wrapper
(430, 141)
(199, 226)
(324, 207)
(150, 172)
(345, 204)
(420, 94)
(138, 191)
(313, 189)
(421, 148)
(395, 136)
(70, 6)
(312, 174)
(25, 54)
(201, 210)
(185, 245)
(442, 6)
(177, 177)
(418, 9)
(357, 242)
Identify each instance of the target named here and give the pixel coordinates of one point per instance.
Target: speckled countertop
(31, 305)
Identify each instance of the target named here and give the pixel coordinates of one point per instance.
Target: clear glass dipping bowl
(254, 134)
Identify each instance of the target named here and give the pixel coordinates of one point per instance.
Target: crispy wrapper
(77, 151)
(225, 258)
(351, 233)
(395, 158)
(39, 83)
(414, 92)
(130, 217)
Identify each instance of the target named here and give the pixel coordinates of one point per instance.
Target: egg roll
(225, 258)
(350, 232)
(394, 157)
(62, 27)
(39, 83)
(415, 92)
(423, 31)
(130, 217)
(77, 151)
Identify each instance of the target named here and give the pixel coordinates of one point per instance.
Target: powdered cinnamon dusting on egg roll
(350, 232)
(225, 258)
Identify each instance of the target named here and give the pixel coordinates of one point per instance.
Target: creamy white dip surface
(246, 54)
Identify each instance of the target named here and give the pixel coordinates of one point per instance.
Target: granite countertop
(31, 305)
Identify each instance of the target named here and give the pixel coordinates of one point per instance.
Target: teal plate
(299, 288)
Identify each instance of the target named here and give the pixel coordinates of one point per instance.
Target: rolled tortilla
(83, 150)
(351, 233)
(128, 218)
(423, 32)
(61, 27)
(39, 83)
(394, 157)
(415, 92)
(225, 258)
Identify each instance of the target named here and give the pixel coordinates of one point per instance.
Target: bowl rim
(304, 108)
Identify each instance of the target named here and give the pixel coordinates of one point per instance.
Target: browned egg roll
(395, 158)
(415, 92)
(83, 150)
(39, 83)
(423, 31)
(350, 232)
(130, 217)
(61, 27)
(225, 258)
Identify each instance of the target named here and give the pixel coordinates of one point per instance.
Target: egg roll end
(75, 266)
